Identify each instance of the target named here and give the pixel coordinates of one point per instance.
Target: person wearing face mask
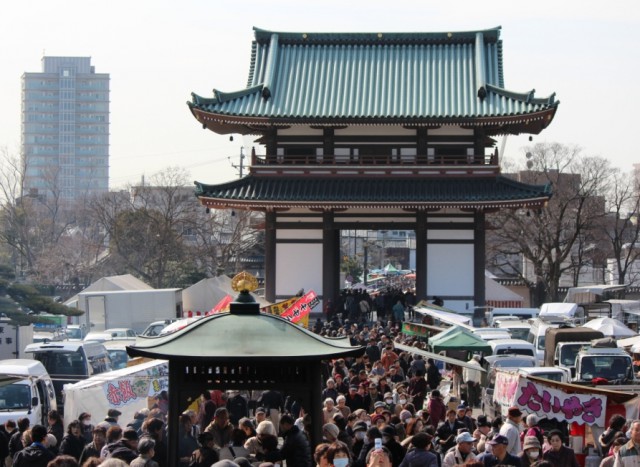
(86, 427)
(400, 396)
(338, 455)
(388, 400)
(359, 435)
(531, 450)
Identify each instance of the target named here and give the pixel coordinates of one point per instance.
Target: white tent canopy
(610, 327)
(126, 390)
(206, 294)
(497, 293)
(112, 283)
(445, 316)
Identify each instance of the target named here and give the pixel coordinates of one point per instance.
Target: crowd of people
(382, 409)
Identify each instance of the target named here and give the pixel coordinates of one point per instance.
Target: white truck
(13, 339)
(133, 309)
(610, 365)
(28, 391)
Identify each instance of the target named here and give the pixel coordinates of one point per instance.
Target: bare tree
(160, 233)
(621, 227)
(547, 238)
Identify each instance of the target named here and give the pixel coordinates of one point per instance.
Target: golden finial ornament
(244, 282)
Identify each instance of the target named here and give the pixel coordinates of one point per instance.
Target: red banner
(223, 305)
(301, 308)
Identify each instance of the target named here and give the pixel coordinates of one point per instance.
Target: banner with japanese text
(548, 402)
(506, 386)
(280, 307)
(137, 386)
(299, 311)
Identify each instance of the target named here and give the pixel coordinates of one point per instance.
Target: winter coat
(72, 446)
(35, 455)
(296, 450)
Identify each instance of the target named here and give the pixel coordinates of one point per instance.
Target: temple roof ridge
(264, 36)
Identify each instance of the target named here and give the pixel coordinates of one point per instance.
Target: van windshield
(604, 366)
(568, 354)
(74, 333)
(15, 396)
(514, 351)
(552, 375)
(63, 363)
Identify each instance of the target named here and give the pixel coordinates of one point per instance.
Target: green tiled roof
(325, 76)
(243, 337)
(397, 192)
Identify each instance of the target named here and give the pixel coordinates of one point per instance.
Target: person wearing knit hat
(405, 415)
(330, 432)
(531, 450)
(377, 420)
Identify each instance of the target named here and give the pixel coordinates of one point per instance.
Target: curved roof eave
(232, 337)
(226, 123)
(217, 203)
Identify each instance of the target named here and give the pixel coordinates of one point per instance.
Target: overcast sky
(158, 52)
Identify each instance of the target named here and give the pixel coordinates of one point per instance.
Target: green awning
(457, 338)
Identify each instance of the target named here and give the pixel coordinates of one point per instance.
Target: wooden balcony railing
(361, 160)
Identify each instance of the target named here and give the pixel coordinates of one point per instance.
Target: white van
(571, 312)
(512, 347)
(70, 362)
(489, 334)
(28, 393)
(537, 332)
(522, 313)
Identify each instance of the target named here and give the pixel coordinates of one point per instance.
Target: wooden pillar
(328, 249)
(421, 144)
(478, 145)
(337, 286)
(421, 255)
(479, 258)
(328, 144)
(175, 381)
(271, 143)
(317, 418)
(270, 257)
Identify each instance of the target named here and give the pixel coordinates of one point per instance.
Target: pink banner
(301, 308)
(549, 402)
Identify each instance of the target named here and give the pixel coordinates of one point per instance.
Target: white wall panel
(450, 234)
(298, 266)
(450, 270)
(299, 234)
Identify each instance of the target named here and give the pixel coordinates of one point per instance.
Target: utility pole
(239, 167)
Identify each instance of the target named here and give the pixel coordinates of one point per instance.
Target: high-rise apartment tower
(65, 129)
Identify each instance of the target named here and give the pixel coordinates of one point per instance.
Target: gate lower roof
(254, 192)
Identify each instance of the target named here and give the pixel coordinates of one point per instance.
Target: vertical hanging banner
(300, 310)
(280, 307)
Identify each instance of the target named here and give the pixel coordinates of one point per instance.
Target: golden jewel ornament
(244, 282)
